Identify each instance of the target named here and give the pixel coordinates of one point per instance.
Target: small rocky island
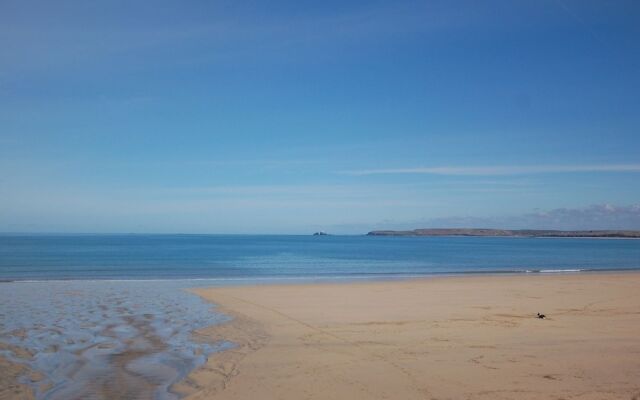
(510, 233)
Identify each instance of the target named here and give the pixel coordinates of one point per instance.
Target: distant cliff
(510, 233)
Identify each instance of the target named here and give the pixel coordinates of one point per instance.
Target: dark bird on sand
(541, 316)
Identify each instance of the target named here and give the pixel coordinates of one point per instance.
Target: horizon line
(44, 233)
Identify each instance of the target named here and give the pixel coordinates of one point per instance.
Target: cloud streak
(498, 170)
(598, 216)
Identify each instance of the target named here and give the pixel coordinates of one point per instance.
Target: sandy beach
(473, 337)
(438, 338)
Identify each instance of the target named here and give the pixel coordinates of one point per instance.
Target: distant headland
(511, 233)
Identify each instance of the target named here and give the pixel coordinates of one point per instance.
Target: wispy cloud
(61, 37)
(499, 170)
(598, 216)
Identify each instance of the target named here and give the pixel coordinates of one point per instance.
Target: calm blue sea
(141, 257)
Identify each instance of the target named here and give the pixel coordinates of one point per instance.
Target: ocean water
(83, 257)
(85, 311)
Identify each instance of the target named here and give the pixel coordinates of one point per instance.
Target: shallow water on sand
(104, 340)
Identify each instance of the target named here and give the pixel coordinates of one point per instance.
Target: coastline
(492, 232)
(438, 337)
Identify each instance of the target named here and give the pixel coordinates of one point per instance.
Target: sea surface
(110, 316)
(220, 257)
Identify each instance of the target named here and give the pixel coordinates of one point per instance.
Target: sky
(296, 116)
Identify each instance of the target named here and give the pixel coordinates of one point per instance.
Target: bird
(541, 316)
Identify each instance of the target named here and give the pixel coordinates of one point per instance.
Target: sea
(81, 312)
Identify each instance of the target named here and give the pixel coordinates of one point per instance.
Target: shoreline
(477, 336)
(320, 279)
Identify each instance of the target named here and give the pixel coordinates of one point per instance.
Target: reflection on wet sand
(103, 340)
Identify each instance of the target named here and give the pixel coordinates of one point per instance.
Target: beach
(464, 337)
(473, 337)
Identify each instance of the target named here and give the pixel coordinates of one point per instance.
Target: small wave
(550, 271)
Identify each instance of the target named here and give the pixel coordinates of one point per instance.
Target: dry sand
(440, 338)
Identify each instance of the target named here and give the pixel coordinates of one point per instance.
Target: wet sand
(438, 338)
(10, 387)
(100, 340)
(103, 374)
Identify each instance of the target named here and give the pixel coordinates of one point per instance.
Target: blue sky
(290, 117)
